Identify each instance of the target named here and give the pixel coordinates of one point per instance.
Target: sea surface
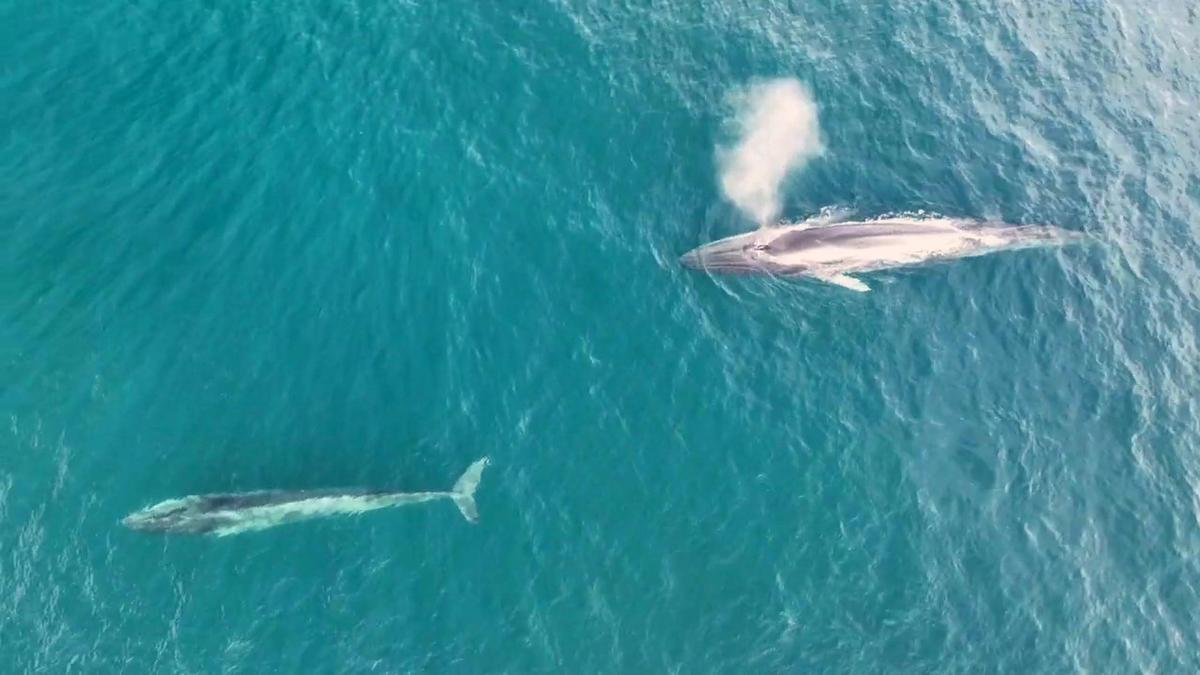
(250, 245)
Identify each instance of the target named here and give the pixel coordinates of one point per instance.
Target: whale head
(749, 253)
(164, 516)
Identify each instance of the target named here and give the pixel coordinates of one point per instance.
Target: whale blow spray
(778, 133)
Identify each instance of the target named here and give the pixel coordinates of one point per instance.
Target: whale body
(832, 252)
(234, 513)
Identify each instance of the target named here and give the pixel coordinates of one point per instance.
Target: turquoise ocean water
(296, 245)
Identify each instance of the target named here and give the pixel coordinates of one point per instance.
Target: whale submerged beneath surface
(832, 252)
(234, 513)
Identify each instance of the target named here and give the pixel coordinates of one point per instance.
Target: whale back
(855, 234)
(247, 500)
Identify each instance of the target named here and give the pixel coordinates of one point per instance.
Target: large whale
(832, 252)
(225, 514)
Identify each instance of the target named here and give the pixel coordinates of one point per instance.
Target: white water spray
(778, 133)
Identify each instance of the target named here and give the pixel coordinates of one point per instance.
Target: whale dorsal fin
(830, 215)
(843, 280)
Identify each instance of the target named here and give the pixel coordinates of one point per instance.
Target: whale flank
(832, 253)
(235, 513)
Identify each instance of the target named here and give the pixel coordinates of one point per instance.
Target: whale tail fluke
(463, 492)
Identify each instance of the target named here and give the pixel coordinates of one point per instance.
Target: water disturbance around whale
(235, 513)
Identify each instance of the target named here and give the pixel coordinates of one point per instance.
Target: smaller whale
(234, 513)
(832, 252)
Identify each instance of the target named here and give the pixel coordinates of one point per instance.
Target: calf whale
(234, 513)
(832, 252)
